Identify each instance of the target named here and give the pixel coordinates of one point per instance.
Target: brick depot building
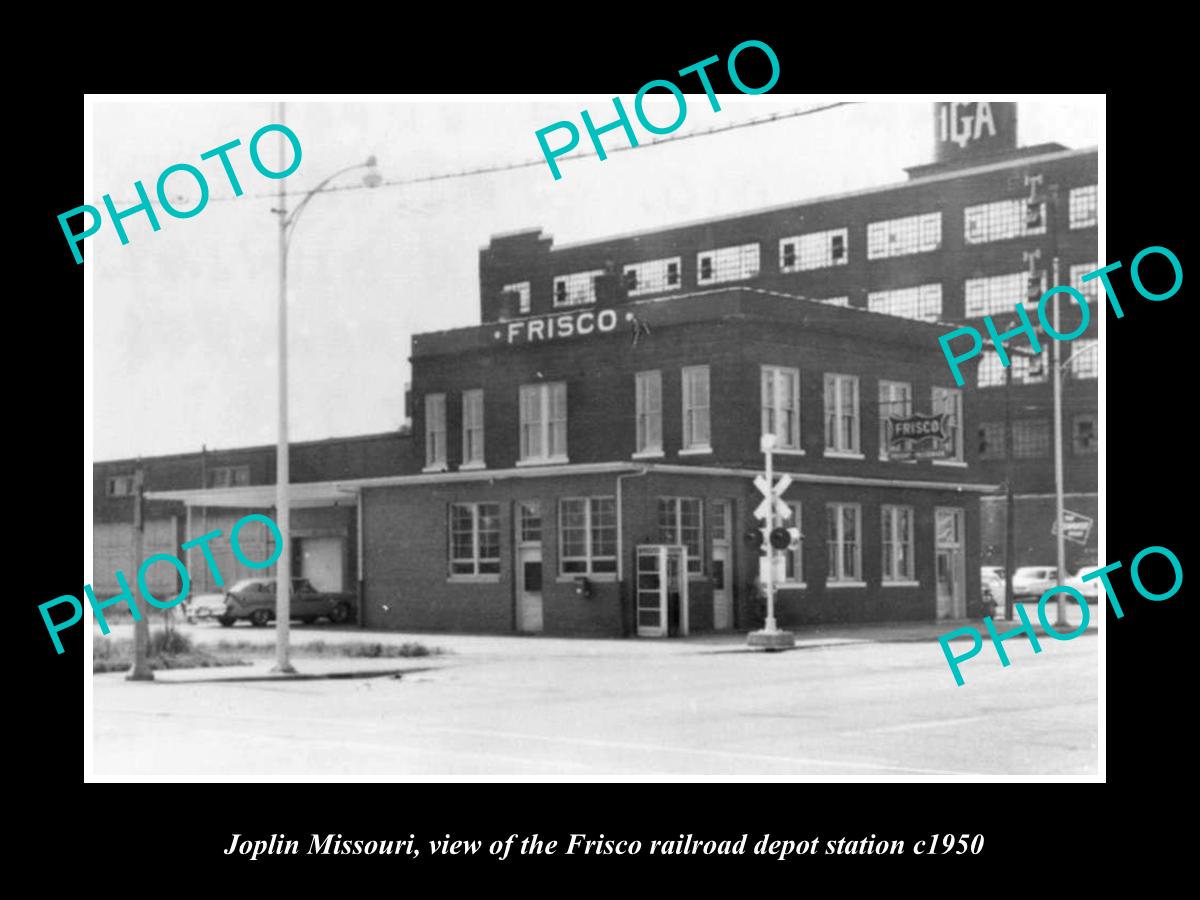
(582, 461)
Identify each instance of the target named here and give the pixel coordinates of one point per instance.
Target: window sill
(952, 463)
(440, 467)
(905, 584)
(845, 584)
(889, 459)
(790, 586)
(472, 467)
(473, 579)
(786, 451)
(648, 454)
(842, 454)
(696, 451)
(598, 578)
(546, 461)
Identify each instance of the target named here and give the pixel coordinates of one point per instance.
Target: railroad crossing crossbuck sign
(772, 498)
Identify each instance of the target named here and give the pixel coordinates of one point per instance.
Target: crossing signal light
(785, 538)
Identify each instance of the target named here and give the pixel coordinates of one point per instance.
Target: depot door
(662, 600)
(722, 563)
(951, 567)
(529, 566)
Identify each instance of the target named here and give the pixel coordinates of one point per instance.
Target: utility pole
(1010, 512)
(140, 671)
(283, 569)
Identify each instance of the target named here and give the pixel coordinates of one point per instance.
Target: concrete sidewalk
(210, 636)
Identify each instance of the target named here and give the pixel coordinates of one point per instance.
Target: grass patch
(335, 650)
(167, 650)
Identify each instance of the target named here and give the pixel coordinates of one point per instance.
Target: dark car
(254, 599)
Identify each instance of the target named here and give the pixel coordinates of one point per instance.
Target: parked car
(1030, 582)
(1089, 589)
(204, 606)
(991, 579)
(254, 599)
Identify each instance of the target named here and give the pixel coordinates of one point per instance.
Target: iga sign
(545, 328)
(973, 129)
(917, 437)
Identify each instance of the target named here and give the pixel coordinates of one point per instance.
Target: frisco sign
(544, 328)
(930, 430)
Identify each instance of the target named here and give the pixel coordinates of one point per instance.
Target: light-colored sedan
(991, 578)
(203, 607)
(1089, 589)
(1030, 582)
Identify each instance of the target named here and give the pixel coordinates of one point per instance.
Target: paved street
(839, 707)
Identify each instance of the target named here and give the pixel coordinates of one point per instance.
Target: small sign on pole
(1076, 527)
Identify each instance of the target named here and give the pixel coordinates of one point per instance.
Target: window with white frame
(680, 522)
(121, 486)
(996, 293)
(841, 414)
(1089, 289)
(521, 289)
(696, 432)
(727, 264)
(781, 406)
(895, 399)
(474, 539)
(816, 250)
(1081, 207)
(529, 521)
(1000, 221)
(1025, 369)
(949, 401)
(922, 302)
(898, 544)
(990, 372)
(587, 535)
(900, 237)
(544, 422)
(576, 289)
(1085, 362)
(228, 476)
(844, 543)
(648, 388)
(652, 276)
(472, 427)
(793, 558)
(435, 431)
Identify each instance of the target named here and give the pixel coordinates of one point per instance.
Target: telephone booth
(662, 601)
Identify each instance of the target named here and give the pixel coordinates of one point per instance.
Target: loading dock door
(321, 562)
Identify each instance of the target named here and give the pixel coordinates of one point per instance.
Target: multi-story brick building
(610, 403)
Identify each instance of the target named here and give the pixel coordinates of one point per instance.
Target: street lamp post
(287, 225)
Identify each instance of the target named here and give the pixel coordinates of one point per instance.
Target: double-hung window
(844, 542)
(895, 399)
(696, 434)
(949, 401)
(474, 539)
(472, 429)
(587, 535)
(793, 559)
(841, 415)
(680, 522)
(781, 406)
(544, 422)
(898, 544)
(648, 410)
(435, 432)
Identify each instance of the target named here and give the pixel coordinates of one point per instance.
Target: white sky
(185, 317)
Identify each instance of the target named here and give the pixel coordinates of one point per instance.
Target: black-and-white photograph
(686, 436)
